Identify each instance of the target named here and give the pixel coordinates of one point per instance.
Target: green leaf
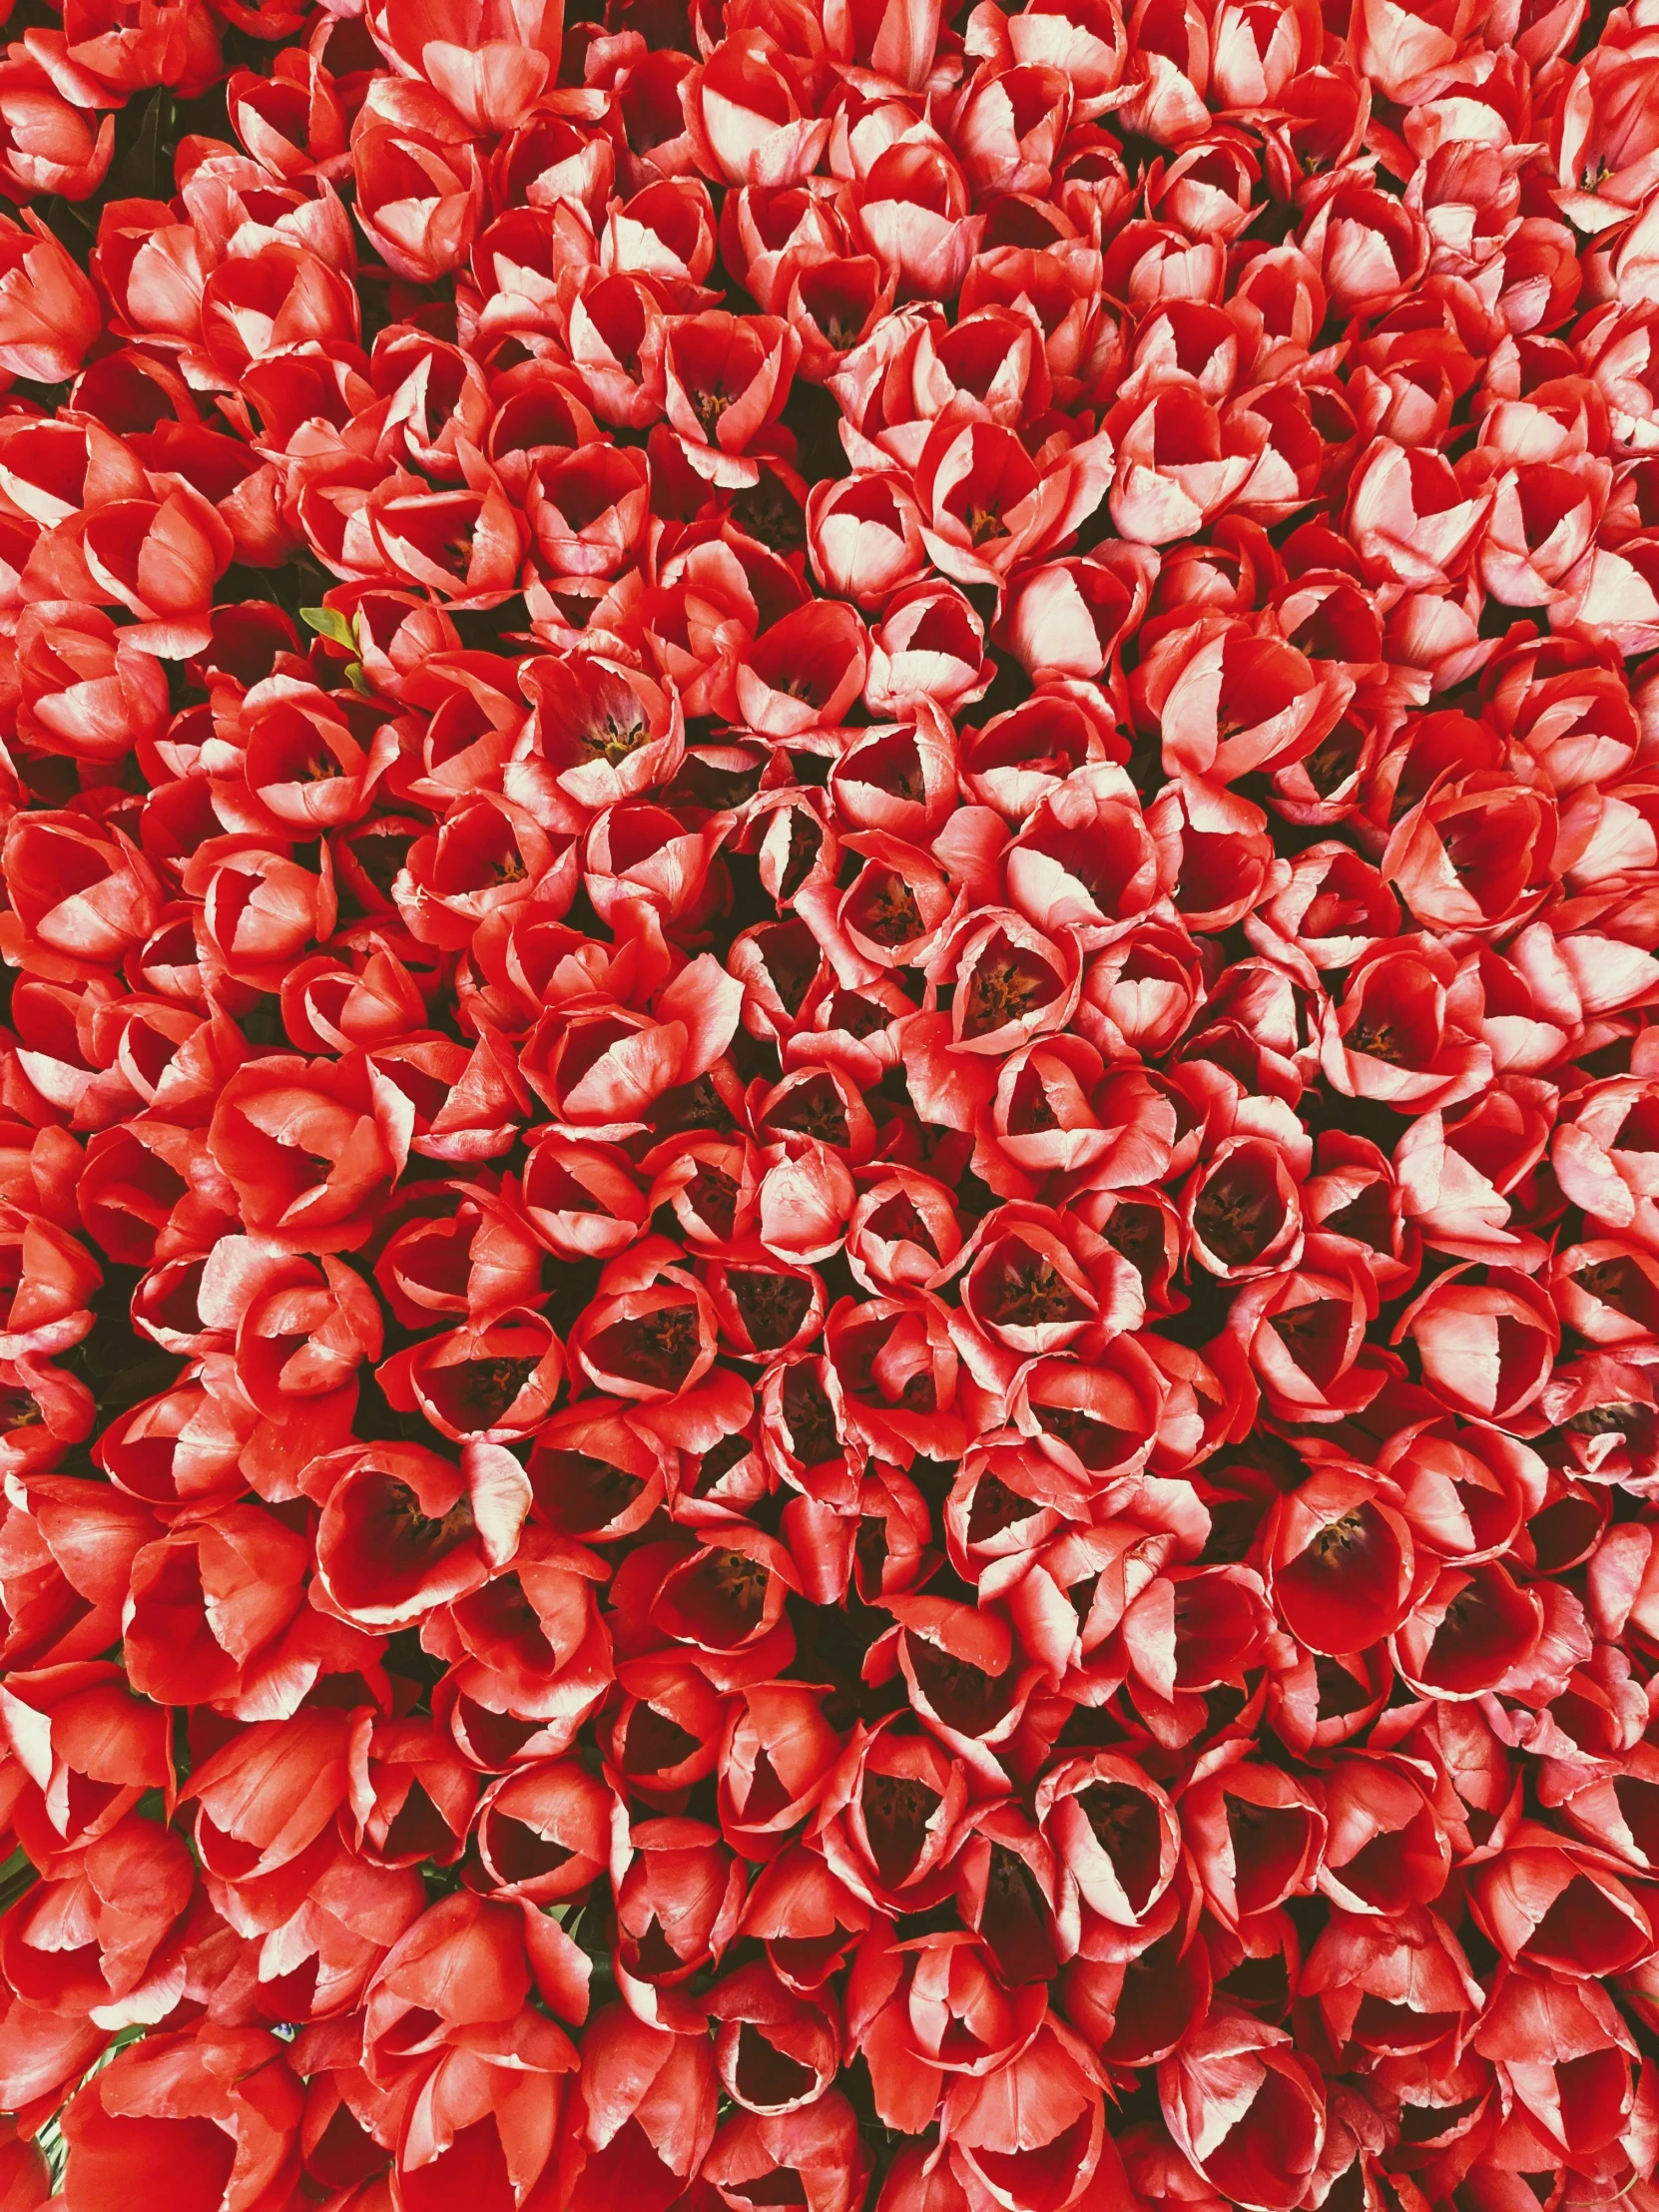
(16, 1876)
(145, 170)
(50, 2138)
(55, 2151)
(329, 623)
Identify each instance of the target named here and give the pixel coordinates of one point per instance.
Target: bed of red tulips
(828, 1166)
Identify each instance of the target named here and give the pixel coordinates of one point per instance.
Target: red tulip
(1032, 2134)
(1546, 1906)
(1259, 2140)
(489, 78)
(816, 2151)
(214, 1611)
(678, 1895)
(912, 213)
(212, 2119)
(927, 2013)
(403, 1531)
(1504, 1331)
(88, 1748)
(836, 1228)
(866, 537)
(48, 311)
(1406, 1028)
(890, 1819)
(641, 2113)
(1531, 2031)
(733, 107)
(1343, 1561)
(776, 1757)
(420, 187)
(78, 900)
(543, 1833)
(1468, 1631)
(411, 1795)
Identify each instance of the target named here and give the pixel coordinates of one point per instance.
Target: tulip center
(1339, 1536)
(767, 513)
(896, 1221)
(1333, 761)
(1033, 1115)
(719, 1600)
(708, 407)
(714, 1194)
(418, 1530)
(665, 1343)
(983, 524)
(1071, 1426)
(1639, 1130)
(520, 1853)
(1126, 1828)
(1007, 1874)
(489, 1387)
(963, 1696)
(906, 780)
(1376, 1039)
(811, 1423)
(17, 1410)
(1471, 1608)
(1013, 1919)
(697, 1105)
(858, 1015)
(610, 739)
(768, 2078)
(814, 1109)
(611, 1490)
(1036, 1295)
(658, 1347)
(783, 2187)
(773, 1307)
(806, 844)
(656, 1744)
(1004, 993)
(1364, 1219)
(656, 1953)
(704, 1477)
(1136, 1235)
(508, 1612)
(1340, 1693)
(896, 1810)
(1604, 1420)
(893, 916)
(322, 767)
(740, 1579)
(994, 1507)
(1232, 1218)
(1617, 1282)
(1316, 1336)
